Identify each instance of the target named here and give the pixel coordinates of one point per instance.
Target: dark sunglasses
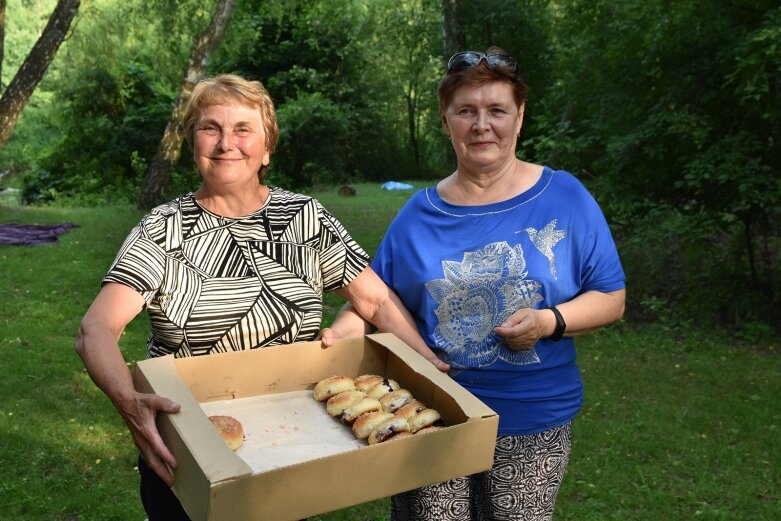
(468, 59)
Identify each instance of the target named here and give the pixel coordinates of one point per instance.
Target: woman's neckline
(206, 210)
(475, 188)
(459, 210)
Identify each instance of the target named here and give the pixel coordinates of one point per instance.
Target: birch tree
(2, 39)
(159, 174)
(34, 67)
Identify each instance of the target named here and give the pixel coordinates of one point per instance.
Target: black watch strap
(558, 333)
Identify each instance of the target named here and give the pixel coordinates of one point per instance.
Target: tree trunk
(169, 149)
(453, 38)
(411, 112)
(34, 67)
(2, 40)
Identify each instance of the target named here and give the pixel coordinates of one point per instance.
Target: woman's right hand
(139, 413)
(96, 343)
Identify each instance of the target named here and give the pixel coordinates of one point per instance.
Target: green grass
(675, 426)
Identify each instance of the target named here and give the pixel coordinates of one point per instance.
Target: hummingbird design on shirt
(545, 239)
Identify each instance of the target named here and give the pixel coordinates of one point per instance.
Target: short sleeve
(601, 268)
(341, 258)
(139, 264)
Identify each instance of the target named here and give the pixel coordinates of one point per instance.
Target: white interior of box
(284, 429)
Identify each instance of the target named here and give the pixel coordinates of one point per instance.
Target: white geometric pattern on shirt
(214, 284)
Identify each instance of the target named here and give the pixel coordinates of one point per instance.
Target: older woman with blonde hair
(501, 264)
(234, 265)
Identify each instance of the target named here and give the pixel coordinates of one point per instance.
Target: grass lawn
(675, 426)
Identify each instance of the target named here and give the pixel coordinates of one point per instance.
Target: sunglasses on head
(468, 59)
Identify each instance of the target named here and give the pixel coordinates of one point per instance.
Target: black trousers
(160, 502)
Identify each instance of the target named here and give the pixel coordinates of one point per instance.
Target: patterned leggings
(522, 484)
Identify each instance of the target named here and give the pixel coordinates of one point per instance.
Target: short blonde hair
(231, 87)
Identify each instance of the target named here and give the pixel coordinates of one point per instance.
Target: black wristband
(558, 333)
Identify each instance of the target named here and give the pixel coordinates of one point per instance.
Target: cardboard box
(214, 483)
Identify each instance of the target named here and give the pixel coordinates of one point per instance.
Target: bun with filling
(410, 409)
(367, 381)
(399, 436)
(351, 413)
(388, 428)
(433, 428)
(366, 423)
(381, 389)
(425, 418)
(338, 403)
(395, 400)
(332, 386)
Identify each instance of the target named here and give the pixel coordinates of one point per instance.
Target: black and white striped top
(214, 284)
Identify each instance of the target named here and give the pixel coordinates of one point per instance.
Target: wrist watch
(558, 333)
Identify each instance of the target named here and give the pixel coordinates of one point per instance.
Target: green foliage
(24, 21)
(110, 122)
(346, 60)
(669, 111)
(675, 111)
(314, 131)
(682, 271)
(98, 114)
(402, 66)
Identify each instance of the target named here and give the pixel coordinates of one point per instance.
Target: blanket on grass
(17, 234)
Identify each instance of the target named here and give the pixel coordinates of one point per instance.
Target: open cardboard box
(214, 483)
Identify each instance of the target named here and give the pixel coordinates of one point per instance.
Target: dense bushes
(108, 124)
(682, 271)
(672, 117)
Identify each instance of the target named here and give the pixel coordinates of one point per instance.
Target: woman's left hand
(525, 327)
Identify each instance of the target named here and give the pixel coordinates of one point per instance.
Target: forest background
(667, 111)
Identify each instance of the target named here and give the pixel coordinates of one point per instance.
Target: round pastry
(409, 409)
(230, 429)
(394, 400)
(366, 423)
(367, 381)
(388, 428)
(338, 403)
(367, 404)
(387, 385)
(425, 418)
(332, 386)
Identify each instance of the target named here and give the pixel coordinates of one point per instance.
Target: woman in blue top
(501, 264)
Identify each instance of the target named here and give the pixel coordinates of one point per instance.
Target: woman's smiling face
(230, 143)
(483, 122)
